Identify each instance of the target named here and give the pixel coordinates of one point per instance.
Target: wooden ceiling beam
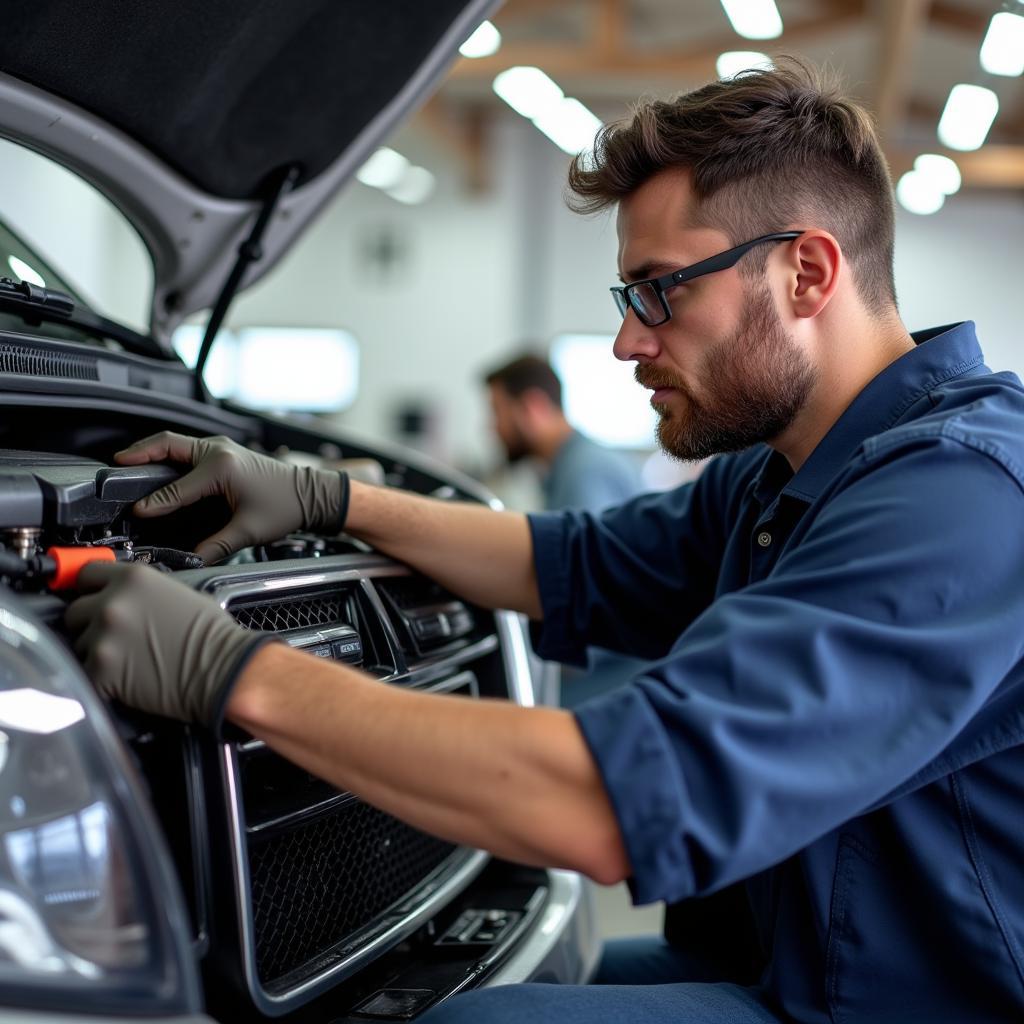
(698, 62)
(899, 26)
(610, 33)
(516, 10)
(952, 16)
(461, 133)
(988, 167)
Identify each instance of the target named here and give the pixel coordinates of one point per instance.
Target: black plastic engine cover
(39, 489)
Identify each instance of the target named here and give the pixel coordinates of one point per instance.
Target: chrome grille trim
(437, 889)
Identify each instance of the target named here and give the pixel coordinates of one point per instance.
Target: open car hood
(184, 113)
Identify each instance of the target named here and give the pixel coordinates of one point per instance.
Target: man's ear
(816, 263)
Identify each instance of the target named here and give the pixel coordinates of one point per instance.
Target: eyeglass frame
(720, 261)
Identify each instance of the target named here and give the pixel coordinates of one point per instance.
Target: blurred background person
(576, 473)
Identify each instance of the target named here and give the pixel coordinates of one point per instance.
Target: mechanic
(526, 405)
(830, 733)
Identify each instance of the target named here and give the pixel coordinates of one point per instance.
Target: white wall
(966, 262)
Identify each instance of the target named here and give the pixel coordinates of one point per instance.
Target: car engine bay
(302, 900)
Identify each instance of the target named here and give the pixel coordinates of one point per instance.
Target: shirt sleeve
(795, 704)
(630, 578)
(593, 481)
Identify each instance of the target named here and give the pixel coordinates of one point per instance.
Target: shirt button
(764, 539)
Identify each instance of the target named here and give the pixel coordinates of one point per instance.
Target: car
(149, 869)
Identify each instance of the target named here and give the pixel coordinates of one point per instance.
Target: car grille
(277, 616)
(331, 882)
(317, 883)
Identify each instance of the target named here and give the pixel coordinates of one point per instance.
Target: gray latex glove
(269, 498)
(157, 645)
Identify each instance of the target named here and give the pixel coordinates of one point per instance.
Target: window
(287, 369)
(600, 396)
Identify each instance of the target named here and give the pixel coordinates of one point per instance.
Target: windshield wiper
(37, 305)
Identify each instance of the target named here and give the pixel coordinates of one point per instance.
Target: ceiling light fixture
(569, 125)
(939, 170)
(385, 169)
(754, 19)
(416, 186)
(1002, 52)
(735, 62)
(391, 172)
(528, 91)
(919, 194)
(485, 41)
(967, 117)
(565, 121)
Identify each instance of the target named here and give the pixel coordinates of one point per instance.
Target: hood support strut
(250, 251)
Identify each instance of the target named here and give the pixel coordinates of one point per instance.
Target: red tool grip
(69, 562)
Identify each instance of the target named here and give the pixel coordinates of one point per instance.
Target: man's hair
(765, 150)
(526, 372)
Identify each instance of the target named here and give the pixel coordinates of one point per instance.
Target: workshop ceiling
(899, 57)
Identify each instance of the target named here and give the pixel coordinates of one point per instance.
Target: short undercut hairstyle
(766, 150)
(525, 373)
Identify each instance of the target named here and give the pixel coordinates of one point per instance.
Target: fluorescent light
(569, 125)
(754, 19)
(919, 194)
(939, 170)
(732, 62)
(1002, 52)
(528, 91)
(25, 272)
(565, 121)
(483, 42)
(417, 185)
(969, 113)
(384, 169)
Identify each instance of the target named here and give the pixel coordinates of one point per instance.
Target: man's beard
(516, 448)
(753, 384)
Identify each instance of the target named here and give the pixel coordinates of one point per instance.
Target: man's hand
(268, 498)
(155, 644)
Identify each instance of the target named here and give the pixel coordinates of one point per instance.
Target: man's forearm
(482, 555)
(519, 782)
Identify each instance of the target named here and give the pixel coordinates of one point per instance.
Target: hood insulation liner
(227, 92)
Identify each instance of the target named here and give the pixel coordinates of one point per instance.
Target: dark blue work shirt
(835, 711)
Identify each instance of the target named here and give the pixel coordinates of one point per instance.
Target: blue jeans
(639, 981)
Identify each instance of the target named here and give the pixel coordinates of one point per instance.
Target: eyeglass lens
(646, 303)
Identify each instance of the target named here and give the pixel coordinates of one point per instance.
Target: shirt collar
(950, 351)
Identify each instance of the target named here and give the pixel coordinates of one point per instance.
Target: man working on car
(526, 405)
(831, 725)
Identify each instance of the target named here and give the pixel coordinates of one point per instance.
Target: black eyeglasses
(647, 298)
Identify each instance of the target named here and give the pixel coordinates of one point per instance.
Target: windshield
(57, 228)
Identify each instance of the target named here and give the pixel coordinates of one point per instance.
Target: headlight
(91, 918)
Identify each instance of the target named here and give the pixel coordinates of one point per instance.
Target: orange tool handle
(69, 562)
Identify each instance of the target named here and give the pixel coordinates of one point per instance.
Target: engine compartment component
(69, 562)
(323, 901)
(67, 492)
(60, 512)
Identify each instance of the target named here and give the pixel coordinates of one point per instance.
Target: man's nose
(635, 340)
